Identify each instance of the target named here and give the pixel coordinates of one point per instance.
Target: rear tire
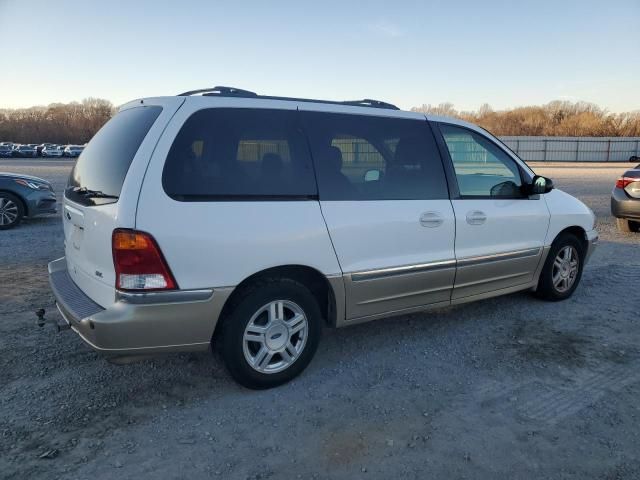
(11, 210)
(627, 226)
(562, 269)
(271, 333)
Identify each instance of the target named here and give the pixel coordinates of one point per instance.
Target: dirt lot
(505, 388)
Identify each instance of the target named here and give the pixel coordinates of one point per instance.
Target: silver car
(52, 151)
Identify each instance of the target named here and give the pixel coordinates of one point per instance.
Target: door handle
(476, 217)
(431, 219)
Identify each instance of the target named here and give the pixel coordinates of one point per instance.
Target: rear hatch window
(99, 173)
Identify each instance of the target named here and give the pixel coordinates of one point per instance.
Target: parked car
(52, 151)
(6, 151)
(73, 150)
(42, 146)
(24, 151)
(248, 222)
(23, 196)
(625, 201)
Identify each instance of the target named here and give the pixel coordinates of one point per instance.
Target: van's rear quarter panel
(216, 244)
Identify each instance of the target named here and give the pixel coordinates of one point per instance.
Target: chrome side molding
(529, 252)
(402, 270)
(364, 275)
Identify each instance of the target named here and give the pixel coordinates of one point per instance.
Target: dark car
(625, 201)
(5, 151)
(24, 151)
(24, 196)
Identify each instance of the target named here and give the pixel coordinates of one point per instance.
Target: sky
(409, 53)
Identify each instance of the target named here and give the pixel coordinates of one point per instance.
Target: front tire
(271, 333)
(11, 211)
(562, 270)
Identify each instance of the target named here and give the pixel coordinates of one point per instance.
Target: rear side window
(104, 163)
(239, 154)
(360, 157)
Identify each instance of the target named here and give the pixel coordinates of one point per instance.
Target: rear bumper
(138, 324)
(623, 206)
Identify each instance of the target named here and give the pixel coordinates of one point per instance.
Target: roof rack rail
(238, 92)
(368, 102)
(222, 91)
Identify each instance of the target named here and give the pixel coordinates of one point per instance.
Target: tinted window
(104, 163)
(360, 157)
(482, 168)
(230, 153)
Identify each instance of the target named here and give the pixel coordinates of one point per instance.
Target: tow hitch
(41, 321)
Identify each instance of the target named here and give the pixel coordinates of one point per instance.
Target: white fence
(574, 149)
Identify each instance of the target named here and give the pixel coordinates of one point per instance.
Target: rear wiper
(85, 192)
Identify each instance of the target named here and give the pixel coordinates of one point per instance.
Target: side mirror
(372, 176)
(540, 185)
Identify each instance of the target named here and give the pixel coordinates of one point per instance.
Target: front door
(383, 195)
(500, 231)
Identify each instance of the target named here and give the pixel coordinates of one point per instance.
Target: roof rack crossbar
(238, 92)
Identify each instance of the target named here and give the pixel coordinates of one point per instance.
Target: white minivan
(248, 223)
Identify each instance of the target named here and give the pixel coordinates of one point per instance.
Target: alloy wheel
(275, 336)
(8, 211)
(565, 268)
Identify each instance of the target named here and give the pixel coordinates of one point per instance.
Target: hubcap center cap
(277, 336)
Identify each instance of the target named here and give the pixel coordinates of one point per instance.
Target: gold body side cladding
(388, 291)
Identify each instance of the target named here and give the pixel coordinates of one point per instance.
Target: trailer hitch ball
(42, 321)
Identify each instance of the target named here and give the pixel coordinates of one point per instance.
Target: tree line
(77, 122)
(61, 123)
(558, 119)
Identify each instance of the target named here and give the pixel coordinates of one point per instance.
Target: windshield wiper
(85, 192)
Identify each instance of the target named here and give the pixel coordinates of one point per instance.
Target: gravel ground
(510, 387)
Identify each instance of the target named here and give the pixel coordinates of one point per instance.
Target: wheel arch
(577, 231)
(317, 283)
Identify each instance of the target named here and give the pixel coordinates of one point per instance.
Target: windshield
(105, 161)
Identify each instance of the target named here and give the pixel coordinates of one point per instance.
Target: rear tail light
(139, 263)
(622, 182)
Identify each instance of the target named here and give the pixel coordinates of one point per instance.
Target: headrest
(334, 159)
(407, 151)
